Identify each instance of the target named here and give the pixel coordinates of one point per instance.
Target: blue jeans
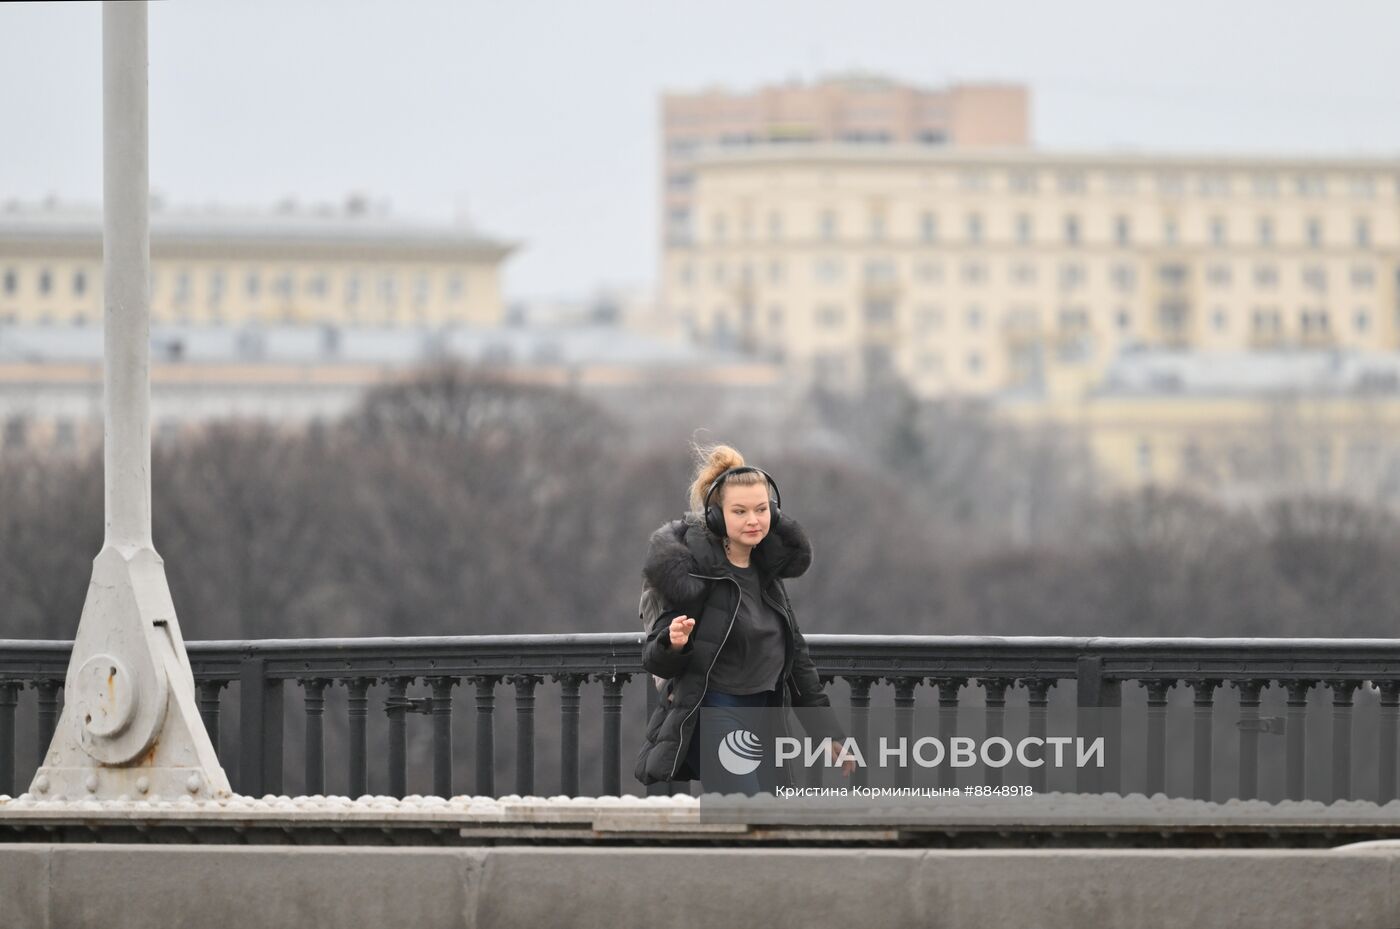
(717, 719)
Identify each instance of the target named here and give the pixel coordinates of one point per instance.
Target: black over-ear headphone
(714, 516)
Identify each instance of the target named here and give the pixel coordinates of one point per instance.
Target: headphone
(714, 516)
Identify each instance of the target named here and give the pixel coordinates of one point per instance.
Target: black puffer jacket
(686, 564)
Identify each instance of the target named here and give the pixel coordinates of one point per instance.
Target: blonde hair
(710, 462)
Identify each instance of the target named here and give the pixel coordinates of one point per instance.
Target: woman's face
(746, 512)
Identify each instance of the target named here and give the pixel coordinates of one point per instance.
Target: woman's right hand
(680, 631)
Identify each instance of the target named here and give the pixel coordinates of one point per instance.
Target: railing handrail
(836, 654)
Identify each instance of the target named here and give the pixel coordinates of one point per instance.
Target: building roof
(1149, 373)
(356, 224)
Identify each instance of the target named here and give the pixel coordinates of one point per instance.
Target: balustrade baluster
(612, 731)
(1389, 718)
(948, 688)
(568, 730)
(357, 712)
(485, 733)
(1038, 695)
(1157, 734)
(1342, 691)
(314, 697)
(1297, 737)
(442, 733)
(995, 690)
(209, 710)
(1203, 720)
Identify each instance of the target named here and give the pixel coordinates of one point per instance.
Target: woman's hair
(710, 462)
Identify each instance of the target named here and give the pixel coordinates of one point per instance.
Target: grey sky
(539, 118)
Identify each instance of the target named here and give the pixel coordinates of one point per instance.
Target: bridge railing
(1230, 681)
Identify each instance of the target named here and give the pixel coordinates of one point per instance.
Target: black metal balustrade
(1099, 667)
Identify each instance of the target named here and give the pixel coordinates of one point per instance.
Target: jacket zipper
(787, 616)
(706, 686)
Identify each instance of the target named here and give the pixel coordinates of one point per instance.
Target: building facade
(984, 272)
(856, 108)
(348, 266)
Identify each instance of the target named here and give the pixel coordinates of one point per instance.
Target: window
(930, 317)
(252, 284)
(456, 283)
(388, 290)
(1217, 231)
(974, 318)
(1122, 182)
(1314, 321)
(877, 226)
(1214, 184)
(1314, 232)
(879, 312)
(1123, 318)
(1023, 274)
(1361, 320)
(718, 227)
(1311, 185)
(352, 290)
(1363, 185)
(717, 272)
(775, 226)
(420, 290)
(79, 283)
(1071, 230)
(1217, 319)
(775, 271)
(1171, 182)
(1361, 233)
(830, 316)
(1072, 182)
(1071, 275)
(1363, 278)
(974, 362)
(1265, 277)
(828, 270)
(45, 282)
(1266, 322)
(1023, 182)
(1265, 231)
(1315, 278)
(1265, 185)
(316, 286)
(11, 281)
(775, 317)
(1023, 229)
(1218, 275)
(879, 271)
(1170, 231)
(1124, 277)
(974, 227)
(16, 432)
(973, 180)
(930, 272)
(828, 225)
(216, 288)
(974, 272)
(928, 227)
(182, 287)
(1173, 275)
(1122, 230)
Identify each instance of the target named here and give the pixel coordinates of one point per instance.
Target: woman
(727, 640)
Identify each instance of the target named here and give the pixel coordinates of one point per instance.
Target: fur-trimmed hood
(686, 545)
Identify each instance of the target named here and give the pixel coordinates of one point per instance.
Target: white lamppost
(130, 726)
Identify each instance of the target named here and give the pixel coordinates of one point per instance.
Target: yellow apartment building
(974, 272)
(354, 265)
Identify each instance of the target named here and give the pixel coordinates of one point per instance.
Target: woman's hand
(680, 631)
(848, 765)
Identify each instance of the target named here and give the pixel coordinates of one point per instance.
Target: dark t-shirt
(752, 657)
